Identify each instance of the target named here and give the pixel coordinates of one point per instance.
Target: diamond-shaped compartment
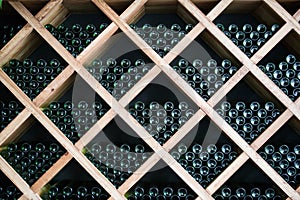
(205, 152)
(119, 66)
(206, 65)
(79, 29)
(77, 110)
(33, 152)
(250, 112)
(160, 183)
(282, 65)
(117, 151)
(161, 115)
(68, 185)
(256, 24)
(249, 182)
(163, 31)
(282, 152)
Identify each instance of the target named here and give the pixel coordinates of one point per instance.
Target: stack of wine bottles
(116, 163)
(77, 37)
(75, 119)
(7, 32)
(118, 77)
(160, 193)
(74, 191)
(204, 164)
(31, 161)
(162, 38)
(249, 120)
(161, 120)
(247, 193)
(9, 110)
(32, 77)
(285, 159)
(286, 75)
(248, 37)
(205, 78)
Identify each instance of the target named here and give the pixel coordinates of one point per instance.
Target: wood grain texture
(26, 40)
(17, 180)
(17, 126)
(242, 158)
(54, 89)
(242, 58)
(226, 127)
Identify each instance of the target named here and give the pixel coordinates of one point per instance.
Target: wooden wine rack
(55, 11)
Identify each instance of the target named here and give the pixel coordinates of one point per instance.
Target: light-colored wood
(92, 51)
(46, 122)
(51, 172)
(162, 65)
(55, 88)
(66, 158)
(15, 127)
(91, 133)
(144, 134)
(220, 7)
(185, 15)
(271, 43)
(88, 136)
(221, 123)
(46, 35)
(242, 158)
(26, 40)
(230, 84)
(154, 158)
(53, 129)
(17, 180)
(297, 15)
(243, 58)
(169, 57)
(130, 120)
(298, 190)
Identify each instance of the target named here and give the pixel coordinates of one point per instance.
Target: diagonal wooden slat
(271, 43)
(59, 136)
(242, 57)
(186, 88)
(100, 124)
(242, 72)
(283, 14)
(41, 30)
(24, 41)
(17, 180)
(241, 159)
(246, 148)
(14, 127)
(99, 89)
(270, 131)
